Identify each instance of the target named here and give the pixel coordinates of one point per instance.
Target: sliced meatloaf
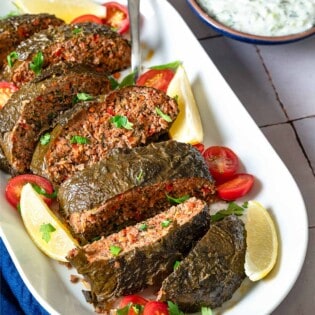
(92, 44)
(15, 29)
(32, 109)
(212, 271)
(141, 255)
(132, 185)
(123, 118)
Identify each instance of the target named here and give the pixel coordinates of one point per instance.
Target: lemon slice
(45, 229)
(64, 9)
(187, 127)
(262, 242)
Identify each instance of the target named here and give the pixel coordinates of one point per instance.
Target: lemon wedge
(262, 242)
(45, 229)
(64, 9)
(187, 127)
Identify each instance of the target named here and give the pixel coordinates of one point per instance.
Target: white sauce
(263, 17)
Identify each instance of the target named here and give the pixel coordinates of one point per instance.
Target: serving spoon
(134, 16)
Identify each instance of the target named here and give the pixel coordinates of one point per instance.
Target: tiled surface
(277, 87)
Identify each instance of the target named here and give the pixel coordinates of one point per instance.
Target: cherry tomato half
(132, 300)
(117, 17)
(6, 90)
(155, 308)
(238, 186)
(222, 162)
(200, 147)
(15, 184)
(158, 79)
(87, 18)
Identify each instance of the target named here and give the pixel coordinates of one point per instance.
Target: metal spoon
(134, 16)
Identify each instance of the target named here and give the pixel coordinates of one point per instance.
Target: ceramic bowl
(246, 37)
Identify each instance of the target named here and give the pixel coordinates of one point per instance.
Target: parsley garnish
(143, 227)
(206, 310)
(121, 122)
(82, 97)
(139, 176)
(177, 200)
(164, 116)
(172, 65)
(123, 310)
(232, 208)
(176, 264)
(127, 80)
(37, 63)
(79, 140)
(11, 58)
(43, 192)
(115, 250)
(173, 309)
(46, 230)
(166, 223)
(77, 30)
(45, 138)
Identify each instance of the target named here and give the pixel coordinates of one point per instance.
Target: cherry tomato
(200, 147)
(222, 162)
(133, 300)
(158, 79)
(117, 17)
(155, 308)
(238, 186)
(87, 18)
(15, 184)
(6, 90)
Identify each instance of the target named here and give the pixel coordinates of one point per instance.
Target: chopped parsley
(232, 208)
(124, 310)
(45, 138)
(177, 200)
(173, 309)
(164, 116)
(166, 223)
(11, 58)
(115, 250)
(46, 230)
(171, 65)
(43, 192)
(77, 30)
(143, 227)
(176, 264)
(206, 310)
(82, 97)
(139, 176)
(79, 140)
(37, 63)
(121, 122)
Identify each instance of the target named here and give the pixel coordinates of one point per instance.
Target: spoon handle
(134, 16)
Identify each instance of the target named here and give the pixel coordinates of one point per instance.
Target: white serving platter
(225, 122)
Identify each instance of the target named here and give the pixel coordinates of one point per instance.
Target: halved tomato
(156, 308)
(117, 17)
(222, 162)
(238, 186)
(200, 147)
(15, 184)
(87, 18)
(134, 301)
(156, 78)
(6, 90)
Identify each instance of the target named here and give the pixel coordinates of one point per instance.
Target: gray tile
(242, 68)
(292, 69)
(283, 139)
(300, 300)
(306, 131)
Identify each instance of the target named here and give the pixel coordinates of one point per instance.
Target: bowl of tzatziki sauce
(259, 21)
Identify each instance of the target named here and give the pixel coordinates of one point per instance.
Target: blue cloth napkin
(16, 299)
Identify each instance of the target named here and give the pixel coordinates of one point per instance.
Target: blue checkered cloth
(15, 298)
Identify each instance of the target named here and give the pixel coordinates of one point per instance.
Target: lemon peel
(188, 126)
(36, 215)
(262, 242)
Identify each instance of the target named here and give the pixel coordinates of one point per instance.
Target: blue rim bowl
(245, 37)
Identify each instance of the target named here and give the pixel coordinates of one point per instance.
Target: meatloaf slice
(15, 29)
(98, 128)
(141, 255)
(31, 110)
(92, 44)
(212, 271)
(132, 185)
